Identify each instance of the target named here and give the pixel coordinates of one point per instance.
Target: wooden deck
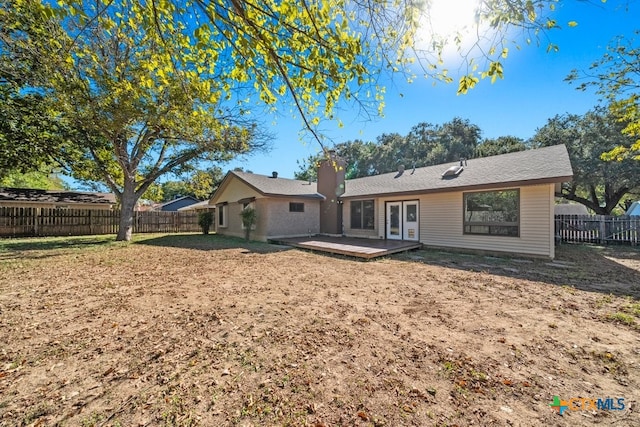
(361, 248)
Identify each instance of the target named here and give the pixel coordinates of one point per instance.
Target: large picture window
(495, 213)
(362, 215)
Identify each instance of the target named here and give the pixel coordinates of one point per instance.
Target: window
(362, 215)
(222, 215)
(495, 213)
(296, 207)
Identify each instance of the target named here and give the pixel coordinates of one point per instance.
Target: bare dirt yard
(197, 330)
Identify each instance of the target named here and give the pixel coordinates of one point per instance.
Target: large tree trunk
(127, 205)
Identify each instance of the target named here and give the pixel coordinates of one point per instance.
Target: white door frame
(411, 220)
(393, 220)
(402, 220)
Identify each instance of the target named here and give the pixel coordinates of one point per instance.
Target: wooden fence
(22, 222)
(598, 229)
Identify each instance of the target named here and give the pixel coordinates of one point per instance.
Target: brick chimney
(331, 175)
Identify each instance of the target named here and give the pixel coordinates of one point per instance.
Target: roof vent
(452, 172)
(274, 174)
(400, 168)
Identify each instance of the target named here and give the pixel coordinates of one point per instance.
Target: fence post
(36, 221)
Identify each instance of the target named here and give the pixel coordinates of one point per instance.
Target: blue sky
(532, 91)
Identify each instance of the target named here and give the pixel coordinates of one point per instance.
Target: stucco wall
(279, 222)
(274, 219)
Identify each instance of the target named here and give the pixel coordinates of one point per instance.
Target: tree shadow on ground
(609, 270)
(39, 247)
(212, 242)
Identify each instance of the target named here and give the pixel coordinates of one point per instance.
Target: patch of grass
(177, 413)
(611, 362)
(604, 300)
(92, 420)
(449, 367)
(206, 242)
(52, 243)
(39, 411)
(632, 309)
(620, 317)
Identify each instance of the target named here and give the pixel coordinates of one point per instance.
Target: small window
(495, 213)
(362, 215)
(296, 207)
(222, 216)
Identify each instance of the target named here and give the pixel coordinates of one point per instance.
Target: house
(198, 207)
(634, 209)
(285, 207)
(570, 209)
(176, 204)
(502, 203)
(33, 198)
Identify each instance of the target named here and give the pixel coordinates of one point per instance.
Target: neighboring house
(176, 204)
(570, 209)
(31, 198)
(634, 209)
(501, 203)
(199, 207)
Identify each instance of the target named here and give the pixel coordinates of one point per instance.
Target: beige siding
(441, 224)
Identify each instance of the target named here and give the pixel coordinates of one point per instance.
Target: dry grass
(201, 330)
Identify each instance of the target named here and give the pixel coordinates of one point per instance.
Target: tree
(617, 78)
(199, 184)
(137, 110)
(31, 137)
(147, 87)
(436, 144)
(321, 53)
(426, 144)
(203, 183)
(501, 145)
(597, 184)
(36, 179)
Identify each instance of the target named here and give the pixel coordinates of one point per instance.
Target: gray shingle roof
(543, 165)
(270, 186)
(55, 196)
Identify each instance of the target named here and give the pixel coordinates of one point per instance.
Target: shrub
(249, 218)
(205, 219)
